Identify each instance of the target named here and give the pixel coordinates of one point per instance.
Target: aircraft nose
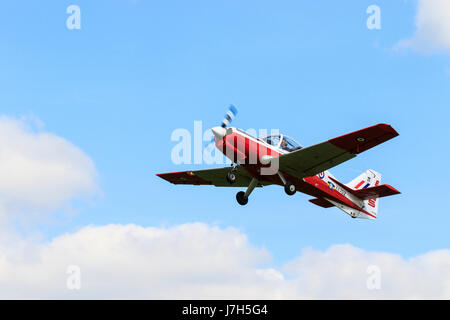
(219, 132)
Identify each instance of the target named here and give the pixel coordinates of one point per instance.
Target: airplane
(277, 159)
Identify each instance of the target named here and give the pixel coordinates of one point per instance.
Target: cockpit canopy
(281, 141)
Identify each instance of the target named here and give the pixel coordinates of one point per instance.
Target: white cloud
(200, 261)
(432, 27)
(117, 261)
(39, 171)
(342, 272)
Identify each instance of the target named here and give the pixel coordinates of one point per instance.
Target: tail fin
(368, 179)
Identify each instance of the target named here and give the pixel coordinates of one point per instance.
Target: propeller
(229, 116)
(220, 132)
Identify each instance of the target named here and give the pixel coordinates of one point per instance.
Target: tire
(231, 177)
(290, 188)
(241, 198)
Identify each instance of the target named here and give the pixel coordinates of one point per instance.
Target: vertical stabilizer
(369, 178)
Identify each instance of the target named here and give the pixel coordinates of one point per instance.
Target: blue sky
(137, 70)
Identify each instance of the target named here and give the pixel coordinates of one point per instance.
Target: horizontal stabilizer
(384, 190)
(321, 202)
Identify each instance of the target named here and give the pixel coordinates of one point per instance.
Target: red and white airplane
(279, 160)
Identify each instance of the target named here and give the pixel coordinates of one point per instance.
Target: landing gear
(231, 177)
(290, 188)
(241, 198)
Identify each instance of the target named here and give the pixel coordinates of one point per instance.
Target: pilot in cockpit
(284, 145)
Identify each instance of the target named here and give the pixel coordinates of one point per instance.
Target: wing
(215, 177)
(323, 156)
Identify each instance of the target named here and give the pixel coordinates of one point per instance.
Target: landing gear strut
(289, 187)
(242, 197)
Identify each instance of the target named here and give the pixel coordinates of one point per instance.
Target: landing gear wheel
(290, 188)
(231, 177)
(241, 198)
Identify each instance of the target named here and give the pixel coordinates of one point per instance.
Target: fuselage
(257, 156)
